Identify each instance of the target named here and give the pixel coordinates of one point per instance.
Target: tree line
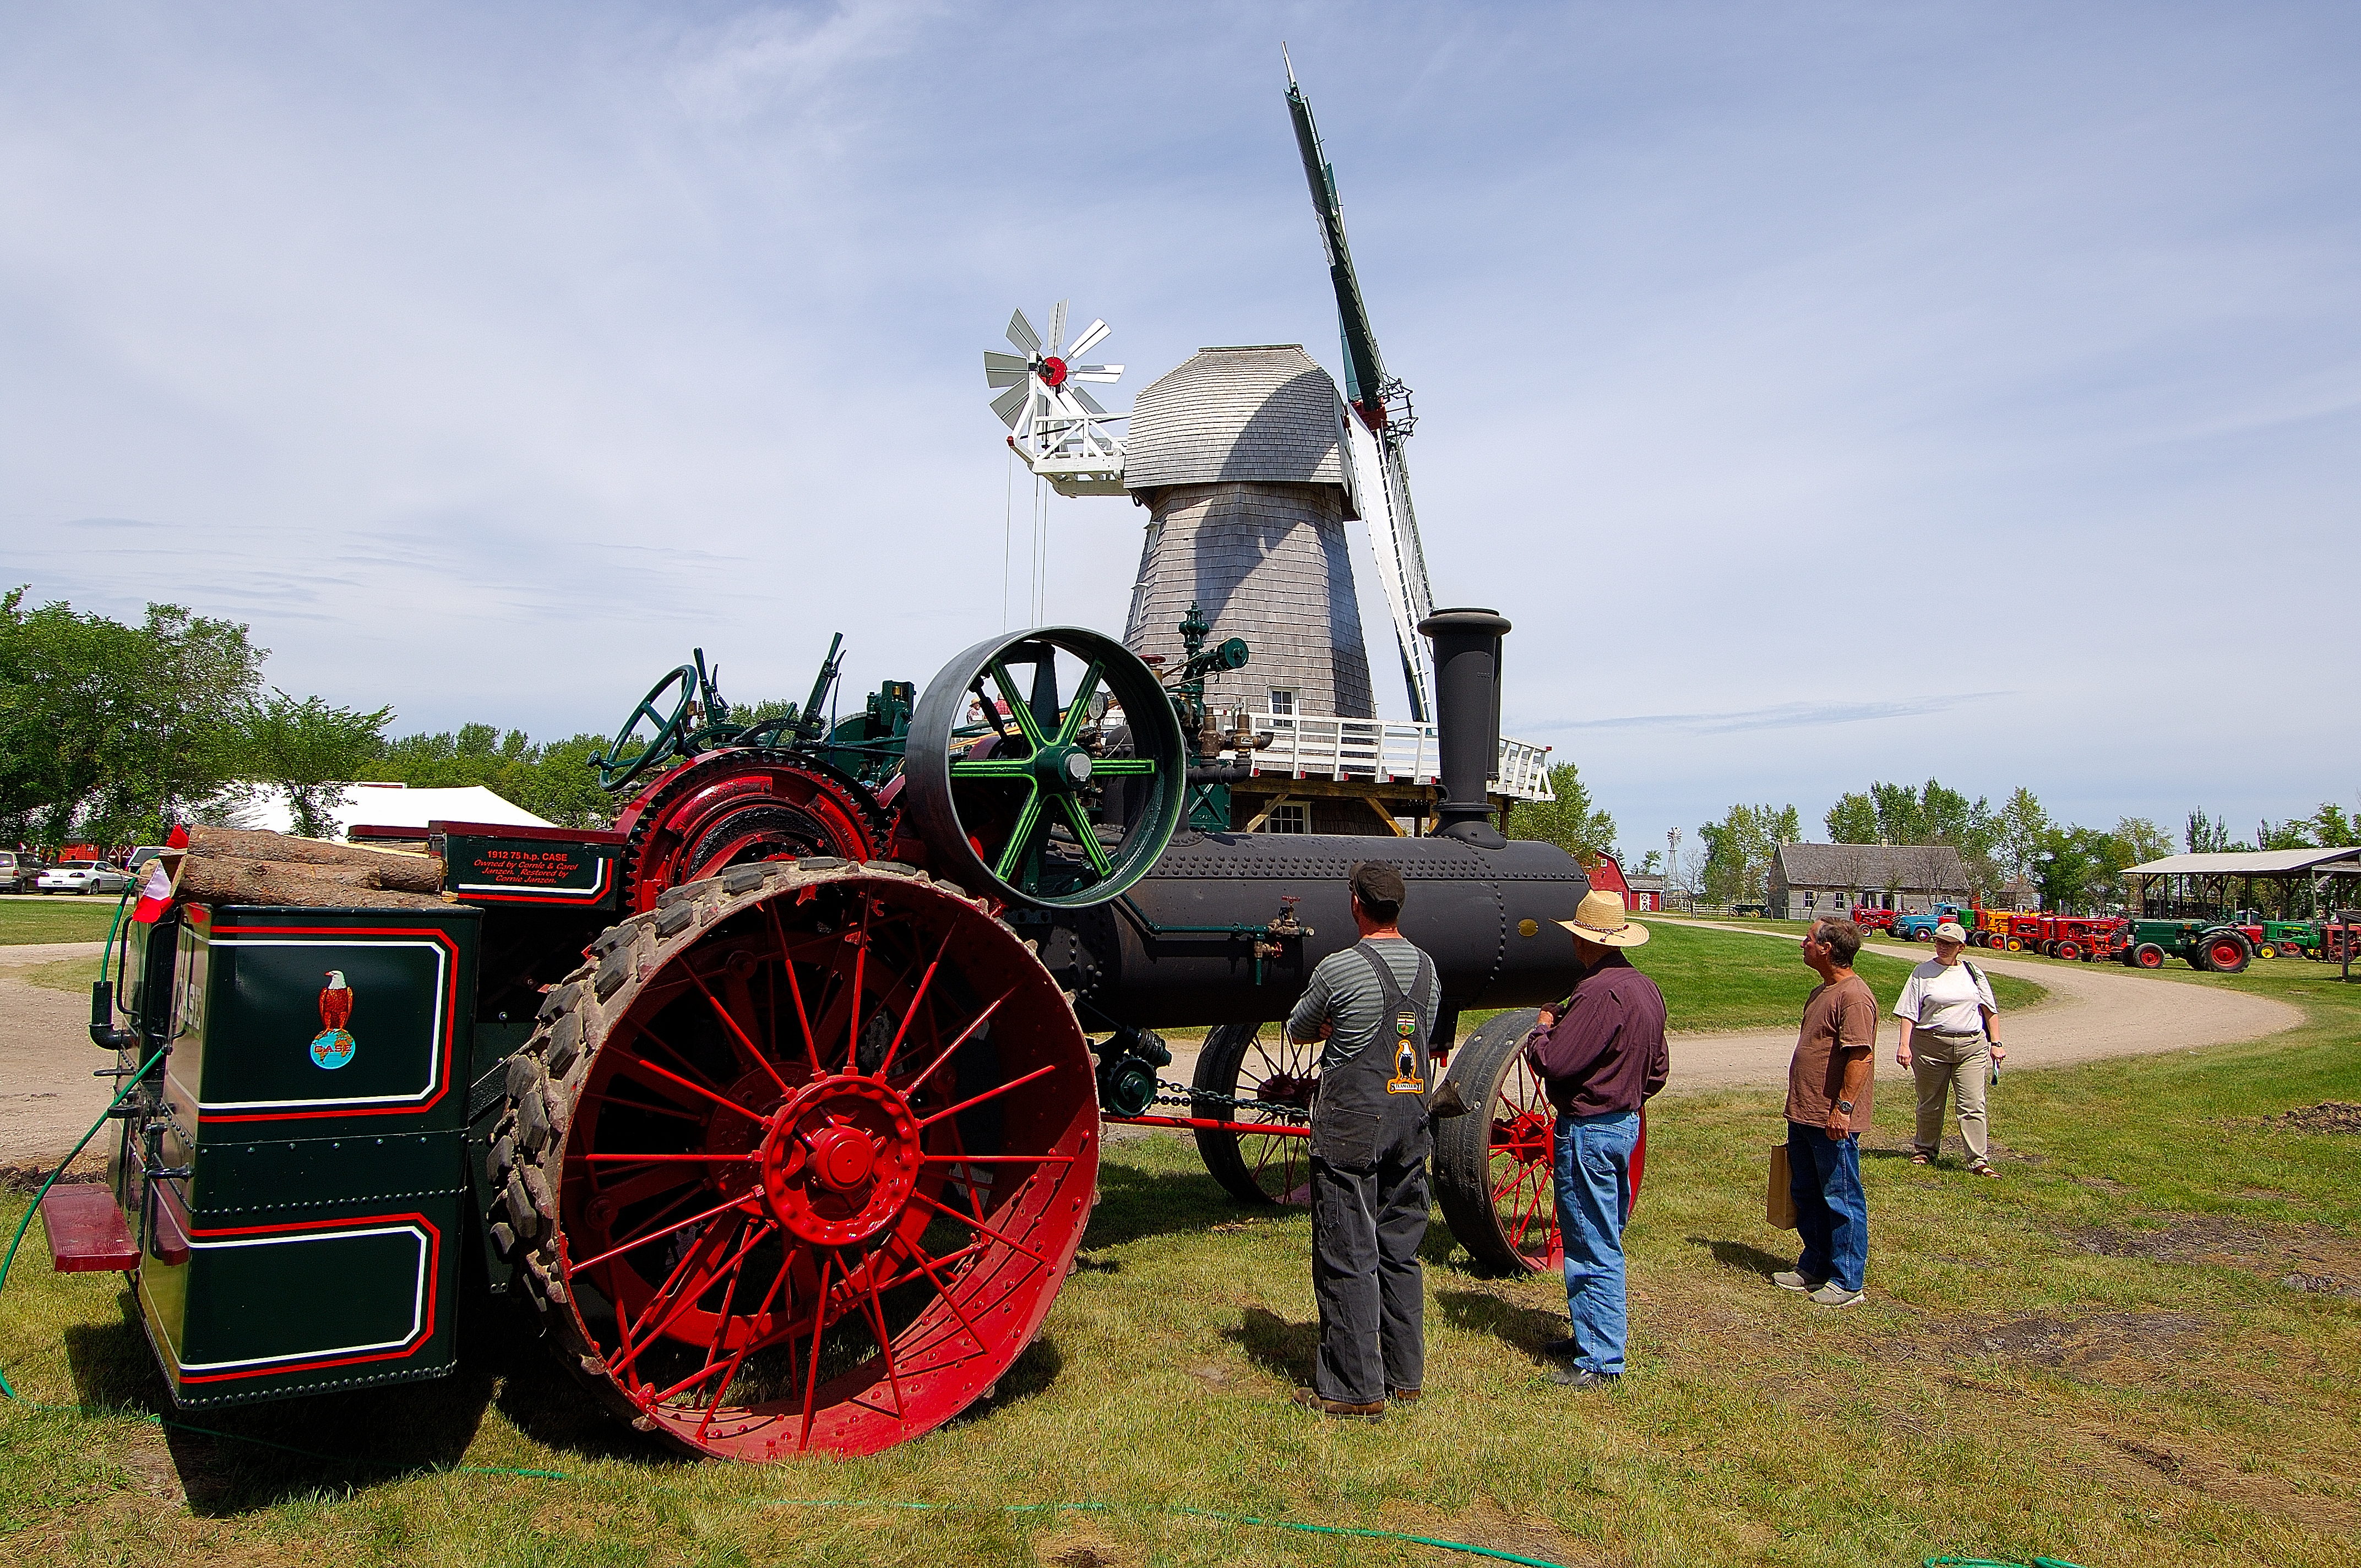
(110, 732)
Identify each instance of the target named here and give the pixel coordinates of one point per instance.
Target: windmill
(1381, 419)
(1054, 423)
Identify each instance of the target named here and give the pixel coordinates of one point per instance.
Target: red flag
(155, 895)
(177, 838)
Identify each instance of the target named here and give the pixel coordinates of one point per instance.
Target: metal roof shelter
(2201, 884)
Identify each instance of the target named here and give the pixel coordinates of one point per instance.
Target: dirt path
(46, 1094)
(2094, 1010)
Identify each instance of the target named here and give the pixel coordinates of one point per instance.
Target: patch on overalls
(1407, 1079)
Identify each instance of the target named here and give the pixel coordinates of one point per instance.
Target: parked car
(82, 876)
(15, 871)
(142, 855)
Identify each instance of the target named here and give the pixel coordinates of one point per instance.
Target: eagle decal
(333, 1046)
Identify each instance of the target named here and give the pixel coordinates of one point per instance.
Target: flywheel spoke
(1086, 834)
(1019, 709)
(1028, 818)
(1078, 707)
(1123, 767)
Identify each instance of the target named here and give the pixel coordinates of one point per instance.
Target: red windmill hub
(1053, 370)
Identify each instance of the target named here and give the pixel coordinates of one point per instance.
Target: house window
(1840, 901)
(1808, 897)
(1282, 699)
(1291, 818)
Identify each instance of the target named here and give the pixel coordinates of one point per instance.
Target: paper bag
(1779, 1201)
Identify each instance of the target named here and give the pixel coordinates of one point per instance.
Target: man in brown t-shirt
(1827, 1104)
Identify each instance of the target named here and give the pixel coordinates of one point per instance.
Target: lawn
(1727, 980)
(65, 917)
(2136, 1350)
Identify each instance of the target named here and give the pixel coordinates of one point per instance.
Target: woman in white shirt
(1947, 1012)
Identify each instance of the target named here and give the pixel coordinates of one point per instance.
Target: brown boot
(1311, 1400)
(1403, 1396)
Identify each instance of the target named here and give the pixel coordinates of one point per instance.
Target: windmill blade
(1090, 339)
(1083, 396)
(1365, 372)
(1057, 327)
(1384, 493)
(1011, 404)
(1021, 334)
(1095, 372)
(1004, 370)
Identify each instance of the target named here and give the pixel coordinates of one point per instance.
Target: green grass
(1726, 980)
(63, 918)
(58, 974)
(2022, 1380)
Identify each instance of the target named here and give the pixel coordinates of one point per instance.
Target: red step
(87, 1234)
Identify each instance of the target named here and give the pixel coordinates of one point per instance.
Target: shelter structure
(1810, 881)
(394, 816)
(2311, 881)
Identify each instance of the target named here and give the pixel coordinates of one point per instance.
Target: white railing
(1382, 750)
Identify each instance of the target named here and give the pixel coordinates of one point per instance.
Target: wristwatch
(1845, 1106)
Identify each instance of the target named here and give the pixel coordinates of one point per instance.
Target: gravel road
(46, 1095)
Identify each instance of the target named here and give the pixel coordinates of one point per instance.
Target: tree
(2332, 829)
(2139, 840)
(105, 729)
(1571, 821)
(1646, 865)
(1852, 820)
(2076, 868)
(2205, 837)
(2019, 832)
(1737, 849)
(310, 750)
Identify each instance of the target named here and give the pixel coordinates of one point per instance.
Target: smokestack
(1467, 718)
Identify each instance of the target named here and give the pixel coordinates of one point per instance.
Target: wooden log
(393, 869)
(211, 879)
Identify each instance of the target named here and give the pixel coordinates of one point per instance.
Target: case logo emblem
(333, 1046)
(1407, 1079)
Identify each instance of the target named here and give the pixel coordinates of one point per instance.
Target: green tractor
(2215, 945)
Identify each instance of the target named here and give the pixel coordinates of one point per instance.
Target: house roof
(1891, 866)
(2249, 862)
(1266, 414)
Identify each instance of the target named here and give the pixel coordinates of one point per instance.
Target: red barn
(1606, 876)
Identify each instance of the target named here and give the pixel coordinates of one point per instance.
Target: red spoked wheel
(1259, 1064)
(736, 807)
(2068, 950)
(2227, 953)
(799, 1163)
(1492, 1166)
(2148, 955)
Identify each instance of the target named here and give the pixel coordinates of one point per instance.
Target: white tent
(383, 805)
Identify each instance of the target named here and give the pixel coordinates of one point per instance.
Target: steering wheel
(1023, 810)
(615, 774)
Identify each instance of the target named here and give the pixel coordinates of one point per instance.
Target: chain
(1171, 1093)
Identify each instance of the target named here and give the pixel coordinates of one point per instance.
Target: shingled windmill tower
(1240, 456)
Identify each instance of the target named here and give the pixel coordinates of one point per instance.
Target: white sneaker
(1835, 1295)
(1789, 1279)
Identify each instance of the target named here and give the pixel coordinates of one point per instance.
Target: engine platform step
(86, 1232)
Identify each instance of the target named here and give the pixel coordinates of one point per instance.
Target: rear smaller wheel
(1259, 1064)
(2266, 951)
(2015, 946)
(1492, 1166)
(2068, 952)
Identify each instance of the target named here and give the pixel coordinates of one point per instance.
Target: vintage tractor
(2215, 945)
(781, 1101)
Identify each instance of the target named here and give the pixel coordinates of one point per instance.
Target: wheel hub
(839, 1160)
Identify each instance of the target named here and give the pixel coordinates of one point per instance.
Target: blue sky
(1826, 393)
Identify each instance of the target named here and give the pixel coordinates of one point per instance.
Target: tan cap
(1950, 931)
(1600, 918)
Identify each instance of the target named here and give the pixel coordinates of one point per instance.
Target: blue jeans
(1592, 1163)
(1831, 1211)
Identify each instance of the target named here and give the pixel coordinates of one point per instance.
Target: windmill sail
(1376, 438)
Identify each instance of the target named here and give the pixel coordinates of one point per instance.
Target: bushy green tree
(1932, 814)
(1852, 820)
(1739, 850)
(2019, 829)
(309, 749)
(2140, 841)
(105, 729)
(1572, 821)
(2077, 869)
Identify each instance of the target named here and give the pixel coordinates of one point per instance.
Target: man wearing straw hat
(1601, 1055)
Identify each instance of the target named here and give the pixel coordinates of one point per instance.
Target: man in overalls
(1374, 1006)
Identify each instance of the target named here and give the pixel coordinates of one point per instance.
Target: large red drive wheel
(2068, 950)
(798, 1162)
(737, 806)
(1492, 1166)
(1259, 1064)
(2227, 953)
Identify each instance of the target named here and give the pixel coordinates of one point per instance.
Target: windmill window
(1293, 817)
(1282, 699)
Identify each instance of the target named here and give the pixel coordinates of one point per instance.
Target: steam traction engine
(781, 1101)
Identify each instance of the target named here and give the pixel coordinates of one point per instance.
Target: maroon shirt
(1607, 1052)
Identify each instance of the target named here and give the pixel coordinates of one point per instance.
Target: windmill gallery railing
(1313, 746)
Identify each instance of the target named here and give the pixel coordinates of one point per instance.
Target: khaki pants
(1962, 1064)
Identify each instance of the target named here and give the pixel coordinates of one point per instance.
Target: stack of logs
(237, 865)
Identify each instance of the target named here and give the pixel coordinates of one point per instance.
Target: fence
(1380, 751)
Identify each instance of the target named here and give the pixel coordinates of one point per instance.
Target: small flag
(177, 838)
(155, 895)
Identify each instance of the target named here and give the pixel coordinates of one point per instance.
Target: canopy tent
(392, 813)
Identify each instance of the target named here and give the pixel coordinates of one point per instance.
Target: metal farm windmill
(1381, 419)
(1054, 423)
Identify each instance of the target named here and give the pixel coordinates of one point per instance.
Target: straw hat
(1600, 918)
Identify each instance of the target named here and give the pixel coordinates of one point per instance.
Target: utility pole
(1672, 855)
